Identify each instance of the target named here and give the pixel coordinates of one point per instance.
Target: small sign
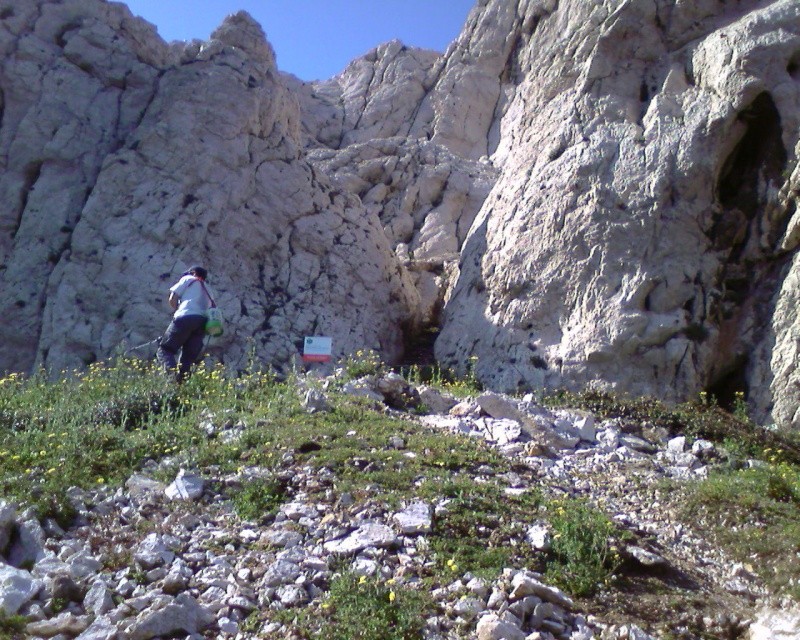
(317, 349)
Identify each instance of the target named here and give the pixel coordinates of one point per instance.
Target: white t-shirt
(193, 299)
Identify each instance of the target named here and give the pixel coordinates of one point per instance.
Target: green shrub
(583, 557)
(258, 498)
(475, 527)
(11, 626)
(362, 608)
(363, 363)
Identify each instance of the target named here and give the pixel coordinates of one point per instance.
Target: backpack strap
(202, 284)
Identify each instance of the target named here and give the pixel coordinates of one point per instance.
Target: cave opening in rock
(746, 234)
(758, 159)
(732, 381)
(418, 345)
(793, 68)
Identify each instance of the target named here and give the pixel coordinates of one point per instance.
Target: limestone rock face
(369, 129)
(637, 236)
(172, 155)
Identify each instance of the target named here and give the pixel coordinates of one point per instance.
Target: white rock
(703, 449)
(153, 552)
(413, 519)
(64, 623)
(775, 624)
(101, 629)
(297, 510)
(282, 538)
(523, 585)
(491, 627)
(315, 401)
(226, 625)
(468, 608)
(182, 614)
(435, 400)
(585, 425)
(83, 564)
(186, 486)
(539, 536)
(676, 445)
(370, 534)
(361, 390)
(292, 595)
(98, 599)
(17, 587)
(499, 431)
(139, 485)
(645, 557)
(622, 316)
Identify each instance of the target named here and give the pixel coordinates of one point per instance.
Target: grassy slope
(98, 427)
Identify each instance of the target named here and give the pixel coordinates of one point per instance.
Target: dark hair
(200, 272)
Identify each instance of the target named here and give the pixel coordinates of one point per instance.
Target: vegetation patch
(477, 529)
(258, 498)
(360, 608)
(701, 418)
(753, 515)
(11, 626)
(583, 556)
(98, 427)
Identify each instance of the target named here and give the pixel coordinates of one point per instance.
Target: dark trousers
(185, 334)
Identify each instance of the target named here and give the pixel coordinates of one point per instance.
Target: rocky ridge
(154, 559)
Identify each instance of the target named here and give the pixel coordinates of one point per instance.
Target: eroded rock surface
(204, 166)
(637, 236)
(577, 193)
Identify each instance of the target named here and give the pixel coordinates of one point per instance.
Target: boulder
(775, 624)
(414, 519)
(186, 486)
(181, 614)
(370, 534)
(17, 587)
(577, 195)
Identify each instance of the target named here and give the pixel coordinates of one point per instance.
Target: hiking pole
(142, 346)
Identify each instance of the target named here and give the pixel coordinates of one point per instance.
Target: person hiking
(189, 298)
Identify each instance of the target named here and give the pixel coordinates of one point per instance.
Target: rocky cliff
(576, 193)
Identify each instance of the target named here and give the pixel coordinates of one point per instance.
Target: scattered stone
(180, 614)
(17, 587)
(434, 400)
(539, 536)
(139, 485)
(152, 552)
(371, 534)
(637, 444)
(65, 623)
(315, 402)
(526, 585)
(500, 431)
(186, 486)
(644, 557)
(775, 624)
(415, 518)
(491, 627)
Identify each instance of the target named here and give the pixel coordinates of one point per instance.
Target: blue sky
(315, 39)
